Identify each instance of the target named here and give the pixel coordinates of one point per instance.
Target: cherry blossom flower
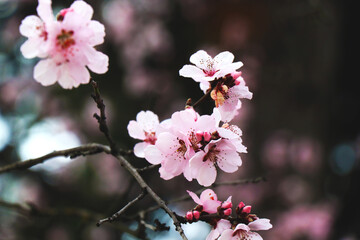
(67, 44)
(144, 128)
(207, 68)
(221, 153)
(208, 200)
(244, 232)
(220, 227)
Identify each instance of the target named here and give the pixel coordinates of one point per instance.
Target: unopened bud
(207, 136)
(235, 75)
(227, 212)
(226, 205)
(199, 135)
(196, 215)
(189, 216)
(247, 209)
(241, 205)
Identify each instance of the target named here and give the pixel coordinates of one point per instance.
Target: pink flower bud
(199, 135)
(235, 75)
(64, 11)
(227, 212)
(196, 215)
(247, 209)
(241, 205)
(226, 205)
(207, 136)
(189, 216)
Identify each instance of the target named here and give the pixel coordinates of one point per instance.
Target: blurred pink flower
(67, 44)
(314, 222)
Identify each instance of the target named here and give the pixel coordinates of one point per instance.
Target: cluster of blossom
(225, 226)
(188, 143)
(66, 42)
(191, 144)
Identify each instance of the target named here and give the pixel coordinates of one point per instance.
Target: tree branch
(131, 169)
(88, 149)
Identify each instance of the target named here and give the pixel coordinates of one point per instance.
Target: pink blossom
(208, 200)
(144, 128)
(66, 44)
(243, 231)
(221, 153)
(220, 227)
(208, 68)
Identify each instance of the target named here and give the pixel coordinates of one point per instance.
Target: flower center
(211, 155)
(150, 138)
(65, 39)
(43, 34)
(182, 149)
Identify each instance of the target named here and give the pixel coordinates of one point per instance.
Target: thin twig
(88, 149)
(102, 118)
(147, 168)
(121, 211)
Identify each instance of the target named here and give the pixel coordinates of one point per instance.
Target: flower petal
(97, 61)
(194, 197)
(46, 72)
(30, 48)
(260, 224)
(45, 11)
(79, 73)
(147, 120)
(30, 26)
(224, 58)
(83, 9)
(207, 174)
(153, 155)
(193, 72)
(139, 149)
(135, 130)
(201, 59)
(227, 235)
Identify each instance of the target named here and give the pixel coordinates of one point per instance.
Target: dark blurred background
(301, 127)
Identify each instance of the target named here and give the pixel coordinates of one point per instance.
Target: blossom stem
(102, 118)
(202, 98)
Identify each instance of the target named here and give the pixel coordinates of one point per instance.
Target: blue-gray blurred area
(301, 128)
